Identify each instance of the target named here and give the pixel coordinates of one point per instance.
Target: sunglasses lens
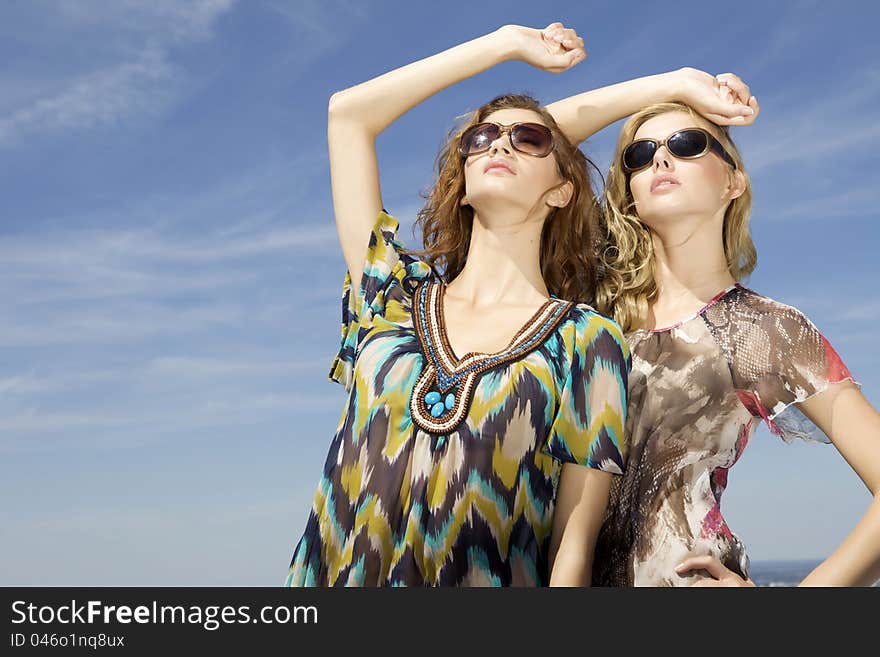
(688, 143)
(532, 138)
(638, 154)
(479, 138)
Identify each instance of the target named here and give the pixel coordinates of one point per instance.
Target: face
(522, 186)
(671, 188)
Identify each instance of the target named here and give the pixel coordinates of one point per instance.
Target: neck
(690, 265)
(503, 264)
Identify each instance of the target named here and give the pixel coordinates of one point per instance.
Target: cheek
(717, 179)
(640, 186)
(542, 175)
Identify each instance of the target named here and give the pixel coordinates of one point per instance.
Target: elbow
(334, 107)
(345, 117)
(341, 105)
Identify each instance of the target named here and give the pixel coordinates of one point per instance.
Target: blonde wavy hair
(569, 248)
(628, 286)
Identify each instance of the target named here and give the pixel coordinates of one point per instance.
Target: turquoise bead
(449, 401)
(437, 409)
(432, 398)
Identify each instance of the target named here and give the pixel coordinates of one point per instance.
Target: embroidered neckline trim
(444, 370)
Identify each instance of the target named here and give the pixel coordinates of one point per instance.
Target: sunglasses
(529, 138)
(687, 144)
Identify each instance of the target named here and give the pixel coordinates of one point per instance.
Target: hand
(556, 48)
(720, 574)
(723, 99)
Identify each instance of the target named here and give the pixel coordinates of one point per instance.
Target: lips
(496, 164)
(664, 181)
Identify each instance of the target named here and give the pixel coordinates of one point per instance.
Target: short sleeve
(388, 272)
(790, 361)
(589, 425)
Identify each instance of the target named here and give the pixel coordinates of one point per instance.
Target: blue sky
(170, 272)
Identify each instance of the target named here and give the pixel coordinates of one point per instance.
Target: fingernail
(679, 566)
(747, 111)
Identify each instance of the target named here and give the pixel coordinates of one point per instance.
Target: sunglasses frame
(505, 129)
(712, 144)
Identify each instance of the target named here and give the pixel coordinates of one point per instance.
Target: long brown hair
(628, 286)
(569, 254)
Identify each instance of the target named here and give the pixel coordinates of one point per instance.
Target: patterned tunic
(697, 391)
(443, 470)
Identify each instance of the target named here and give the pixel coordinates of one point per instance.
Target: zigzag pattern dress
(443, 469)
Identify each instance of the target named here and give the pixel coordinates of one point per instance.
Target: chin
(669, 204)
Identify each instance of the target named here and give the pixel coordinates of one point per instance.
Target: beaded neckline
(443, 390)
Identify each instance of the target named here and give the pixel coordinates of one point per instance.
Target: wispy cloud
(860, 201)
(786, 130)
(100, 98)
(168, 20)
(219, 412)
(127, 321)
(320, 17)
(130, 72)
(192, 367)
(157, 373)
(864, 310)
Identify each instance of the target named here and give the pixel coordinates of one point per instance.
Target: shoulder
(594, 330)
(769, 314)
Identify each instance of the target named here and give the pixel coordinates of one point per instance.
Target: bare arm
(853, 425)
(357, 115)
(585, 114)
(580, 506)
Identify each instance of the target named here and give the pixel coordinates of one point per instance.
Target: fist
(556, 48)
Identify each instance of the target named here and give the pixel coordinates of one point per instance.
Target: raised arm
(716, 98)
(357, 115)
(723, 99)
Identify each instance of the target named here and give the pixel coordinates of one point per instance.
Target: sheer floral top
(697, 391)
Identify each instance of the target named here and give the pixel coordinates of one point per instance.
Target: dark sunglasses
(686, 144)
(529, 138)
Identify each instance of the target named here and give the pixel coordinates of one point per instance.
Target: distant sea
(782, 573)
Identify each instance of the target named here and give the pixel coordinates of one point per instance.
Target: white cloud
(862, 311)
(127, 322)
(143, 422)
(803, 129)
(168, 20)
(199, 367)
(130, 71)
(854, 202)
(320, 18)
(100, 98)
(30, 384)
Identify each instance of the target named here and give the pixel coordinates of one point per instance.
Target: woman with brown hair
(487, 399)
(712, 359)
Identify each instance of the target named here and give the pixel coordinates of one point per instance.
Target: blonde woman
(712, 359)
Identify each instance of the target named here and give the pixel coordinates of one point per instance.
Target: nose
(662, 159)
(502, 140)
